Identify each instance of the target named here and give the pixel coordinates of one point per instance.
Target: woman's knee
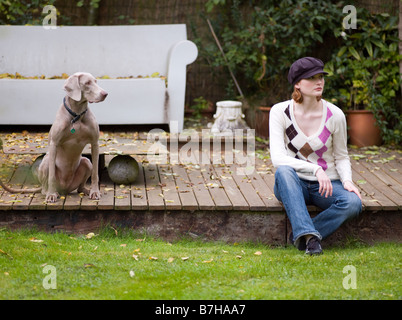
(352, 205)
(355, 205)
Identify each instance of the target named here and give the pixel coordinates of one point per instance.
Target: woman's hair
(298, 97)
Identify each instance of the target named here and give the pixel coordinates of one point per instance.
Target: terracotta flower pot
(362, 128)
(262, 122)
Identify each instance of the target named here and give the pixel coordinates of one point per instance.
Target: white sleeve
(279, 155)
(340, 149)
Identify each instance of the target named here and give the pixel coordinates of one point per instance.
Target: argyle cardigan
(327, 148)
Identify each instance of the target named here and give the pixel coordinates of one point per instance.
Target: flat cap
(305, 68)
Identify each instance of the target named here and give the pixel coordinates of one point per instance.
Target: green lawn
(117, 264)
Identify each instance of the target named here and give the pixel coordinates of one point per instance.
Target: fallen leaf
(6, 254)
(258, 253)
(170, 260)
(89, 265)
(123, 245)
(185, 258)
(132, 274)
(90, 235)
(33, 239)
(153, 258)
(207, 261)
(135, 257)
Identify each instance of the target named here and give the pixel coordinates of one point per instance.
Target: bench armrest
(181, 54)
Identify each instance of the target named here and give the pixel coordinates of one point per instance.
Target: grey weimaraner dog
(63, 169)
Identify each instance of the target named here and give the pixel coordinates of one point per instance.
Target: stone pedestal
(228, 117)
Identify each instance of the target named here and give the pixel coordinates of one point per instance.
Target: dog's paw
(52, 197)
(94, 195)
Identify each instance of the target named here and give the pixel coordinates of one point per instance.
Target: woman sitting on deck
(308, 144)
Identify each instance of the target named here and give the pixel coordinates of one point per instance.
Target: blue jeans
(296, 194)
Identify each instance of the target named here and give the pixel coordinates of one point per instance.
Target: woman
(308, 145)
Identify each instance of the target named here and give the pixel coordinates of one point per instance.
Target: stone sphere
(123, 169)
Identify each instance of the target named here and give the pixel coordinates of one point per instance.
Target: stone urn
(228, 117)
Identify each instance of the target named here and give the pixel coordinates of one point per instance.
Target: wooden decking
(215, 186)
(196, 186)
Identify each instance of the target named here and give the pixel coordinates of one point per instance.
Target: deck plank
(372, 198)
(122, 194)
(169, 190)
(153, 187)
(38, 202)
(72, 201)
(383, 194)
(201, 191)
(138, 192)
(263, 189)
(106, 188)
(225, 175)
(214, 186)
(185, 188)
(389, 187)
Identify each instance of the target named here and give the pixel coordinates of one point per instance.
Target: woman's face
(313, 86)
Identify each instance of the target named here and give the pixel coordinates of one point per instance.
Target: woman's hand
(324, 182)
(348, 185)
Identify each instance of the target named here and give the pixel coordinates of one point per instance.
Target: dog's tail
(13, 190)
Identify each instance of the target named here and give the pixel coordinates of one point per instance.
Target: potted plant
(364, 80)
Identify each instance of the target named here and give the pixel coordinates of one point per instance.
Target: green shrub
(261, 39)
(364, 71)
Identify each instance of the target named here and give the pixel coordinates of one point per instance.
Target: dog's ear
(72, 87)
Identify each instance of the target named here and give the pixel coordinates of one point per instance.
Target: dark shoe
(302, 242)
(314, 246)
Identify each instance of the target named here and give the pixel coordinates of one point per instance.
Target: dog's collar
(76, 117)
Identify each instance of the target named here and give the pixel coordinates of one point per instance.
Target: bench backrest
(115, 51)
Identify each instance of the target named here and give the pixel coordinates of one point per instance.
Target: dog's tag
(72, 130)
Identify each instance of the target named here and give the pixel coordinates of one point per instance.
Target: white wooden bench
(112, 51)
